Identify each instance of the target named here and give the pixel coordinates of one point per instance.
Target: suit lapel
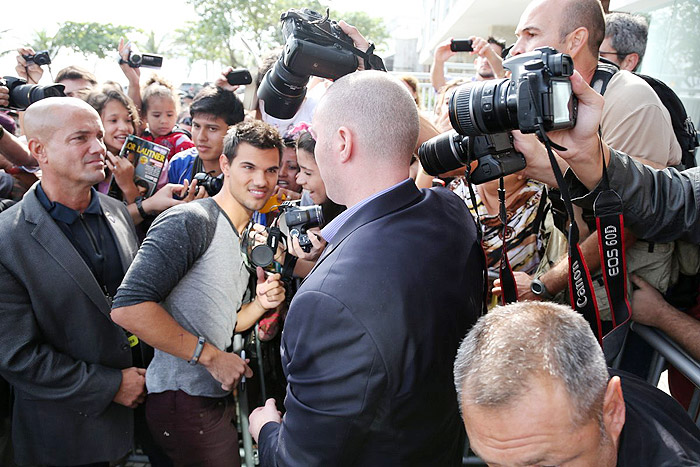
(401, 196)
(123, 235)
(53, 240)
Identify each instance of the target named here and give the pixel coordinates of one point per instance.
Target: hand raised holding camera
(28, 70)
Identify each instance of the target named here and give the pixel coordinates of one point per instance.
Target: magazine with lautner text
(149, 159)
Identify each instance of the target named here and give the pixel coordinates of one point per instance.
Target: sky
(163, 17)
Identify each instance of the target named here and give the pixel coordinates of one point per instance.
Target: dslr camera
(314, 45)
(40, 58)
(538, 93)
(294, 221)
(22, 95)
(210, 183)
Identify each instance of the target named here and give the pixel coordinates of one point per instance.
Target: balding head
(43, 118)
(576, 27)
(378, 109)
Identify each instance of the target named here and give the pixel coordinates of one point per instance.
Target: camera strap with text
(580, 285)
(610, 225)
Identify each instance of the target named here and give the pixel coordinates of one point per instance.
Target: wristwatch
(538, 288)
(144, 215)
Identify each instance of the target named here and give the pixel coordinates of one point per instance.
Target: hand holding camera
(27, 67)
(4, 96)
(318, 244)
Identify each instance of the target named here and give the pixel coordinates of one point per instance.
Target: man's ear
(630, 62)
(224, 165)
(345, 141)
(614, 409)
(38, 150)
(576, 41)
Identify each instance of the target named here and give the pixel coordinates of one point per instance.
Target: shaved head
(378, 109)
(43, 118)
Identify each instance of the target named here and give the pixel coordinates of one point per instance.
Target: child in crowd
(159, 104)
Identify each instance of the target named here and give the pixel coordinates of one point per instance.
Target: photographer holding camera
(634, 119)
(370, 334)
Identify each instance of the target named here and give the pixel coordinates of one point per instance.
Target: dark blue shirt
(92, 238)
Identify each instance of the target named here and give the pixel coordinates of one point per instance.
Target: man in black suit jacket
(370, 335)
(64, 248)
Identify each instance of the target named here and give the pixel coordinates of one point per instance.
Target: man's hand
(522, 282)
(262, 415)
(32, 72)
(482, 48)
(647, 303)
(163, 199)
(269, 292)
(443, 52)
(4, 96)
(226, 368)
(132, 390)
(222, 82)
(358, 39)
(538, 166)
(318, 244)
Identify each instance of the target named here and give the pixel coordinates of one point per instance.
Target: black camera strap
(581, 293)
(480, 239)
(610, 225)
(509, 288)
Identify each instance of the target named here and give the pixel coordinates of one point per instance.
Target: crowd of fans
(119, 309)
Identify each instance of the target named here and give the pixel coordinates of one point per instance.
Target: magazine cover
(148, 158)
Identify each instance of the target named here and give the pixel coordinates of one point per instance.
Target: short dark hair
(497, 41)
(258, 134)
(219, 103)
(75, 72)
(587, 14)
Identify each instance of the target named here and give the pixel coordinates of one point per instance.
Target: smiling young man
(185, 293)
(213, 111)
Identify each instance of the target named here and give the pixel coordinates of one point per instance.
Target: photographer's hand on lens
(262, 415)
(318, 244)
(132, 389)
(523, 281)
(30, 72)
(4, 96)
(358, 39)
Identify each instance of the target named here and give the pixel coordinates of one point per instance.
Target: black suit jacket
(58, 346)
(371, 336)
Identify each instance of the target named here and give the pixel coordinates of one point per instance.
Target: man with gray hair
(534, 389)
(370, 334)
(625, 40)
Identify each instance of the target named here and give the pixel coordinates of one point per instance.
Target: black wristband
(2, 131)
(138, 201)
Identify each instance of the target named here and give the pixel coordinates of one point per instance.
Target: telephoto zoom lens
(485, 107)
(443, 153)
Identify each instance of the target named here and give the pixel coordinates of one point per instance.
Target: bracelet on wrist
(197, 351)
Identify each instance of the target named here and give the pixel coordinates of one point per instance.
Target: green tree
(372, 28)
(153, 45)
(91, 38)
(42, 40)
(216, 35)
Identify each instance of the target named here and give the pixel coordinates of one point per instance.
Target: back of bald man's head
(44, 117)
(378, 109)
